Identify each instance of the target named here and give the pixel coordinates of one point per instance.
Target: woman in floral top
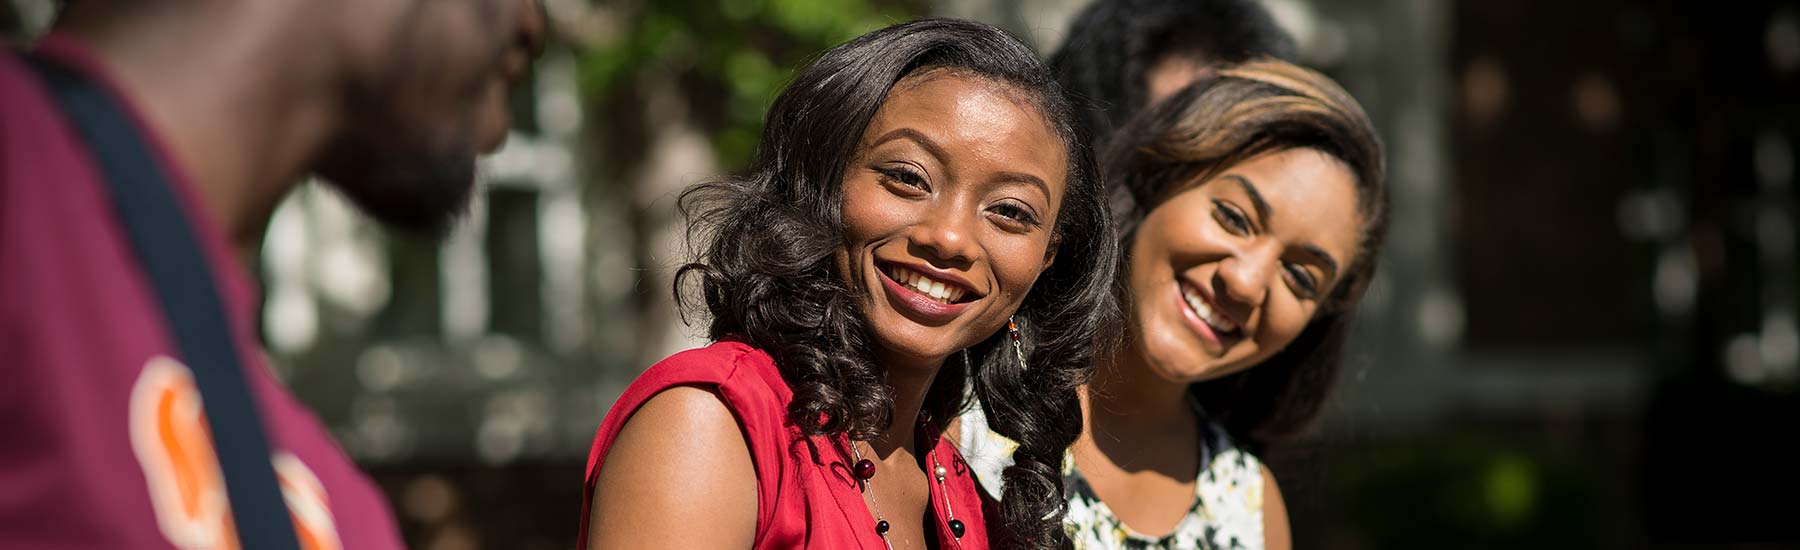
(1252, 206)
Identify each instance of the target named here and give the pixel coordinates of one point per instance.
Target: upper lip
(939, 275)
(1205, 292)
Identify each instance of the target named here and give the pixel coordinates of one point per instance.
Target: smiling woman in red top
(920, 206)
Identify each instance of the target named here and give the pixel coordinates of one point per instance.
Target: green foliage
(733, 55)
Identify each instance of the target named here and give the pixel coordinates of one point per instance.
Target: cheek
(1017, 262)
(1282, 323)
(1148, 264)
(1191, 232)
(453, 58)
(1183, 227)
(438, 63)
(1168, 241)
(870, 213)
(871, 216)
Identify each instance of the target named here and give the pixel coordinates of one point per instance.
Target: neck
(229, 90)
(1126, 395)
(910, 382)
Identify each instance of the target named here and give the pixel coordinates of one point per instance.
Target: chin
(1168, 353)
(911, 345)
(1193, 372)
(1184, 369)
(1201, 366)
(423, 194)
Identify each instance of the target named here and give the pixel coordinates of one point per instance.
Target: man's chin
(423, 197)
(491, 141)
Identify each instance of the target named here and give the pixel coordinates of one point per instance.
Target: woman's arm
(679, 476)
(1275, 518)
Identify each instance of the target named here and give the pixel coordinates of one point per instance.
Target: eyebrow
(1262, 206)
(1264, 211)
(1021, 177)
(943, 157)
(931, 147)
(1331, 265)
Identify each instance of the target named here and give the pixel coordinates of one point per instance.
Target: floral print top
(1226, 513)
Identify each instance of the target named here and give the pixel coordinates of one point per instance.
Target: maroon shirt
(102, 440)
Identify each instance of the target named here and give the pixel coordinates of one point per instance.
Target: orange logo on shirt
(170, 436)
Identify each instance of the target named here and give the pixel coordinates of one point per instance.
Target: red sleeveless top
(806, 495)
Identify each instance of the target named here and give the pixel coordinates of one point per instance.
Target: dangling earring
(1012, 329)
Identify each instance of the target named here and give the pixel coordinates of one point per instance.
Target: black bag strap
(171, 256)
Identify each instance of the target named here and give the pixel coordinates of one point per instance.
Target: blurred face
(1228, 271)
(949, 205)
(1170, 74)
(428, 94)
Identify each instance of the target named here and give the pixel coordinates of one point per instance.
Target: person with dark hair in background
(1121, 56)
(143, 144)
(1252, 207)
(922, 211)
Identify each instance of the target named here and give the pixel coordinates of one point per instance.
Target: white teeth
(925, 285)
(1219, 323)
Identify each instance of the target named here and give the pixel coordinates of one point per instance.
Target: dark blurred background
(1585, 332)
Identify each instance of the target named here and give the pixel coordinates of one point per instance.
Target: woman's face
(1226, 272)
(949, 204)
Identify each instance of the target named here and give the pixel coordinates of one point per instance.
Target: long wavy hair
(766, 271)
(1113, 44)
(1216, 123)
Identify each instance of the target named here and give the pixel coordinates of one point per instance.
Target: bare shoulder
(1276, 535)
(680, 461)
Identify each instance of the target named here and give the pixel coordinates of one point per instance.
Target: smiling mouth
(1221, 325)
(934, 289)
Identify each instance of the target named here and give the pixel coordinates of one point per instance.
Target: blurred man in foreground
(141, 144)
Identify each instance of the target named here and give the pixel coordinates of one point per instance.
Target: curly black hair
(767, 271)
(1213, 124)
(1112, 44)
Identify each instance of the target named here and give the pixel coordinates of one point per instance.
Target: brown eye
(1014, 213)
(894, 175)
(1230, 218)
(1305, 286)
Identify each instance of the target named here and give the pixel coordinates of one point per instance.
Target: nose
(947, 235)
(533, 25)
(1247, 273)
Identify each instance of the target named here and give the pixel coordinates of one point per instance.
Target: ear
(1050, 251)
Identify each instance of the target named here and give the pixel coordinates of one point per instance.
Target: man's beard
(400, 165)
(411, 187)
